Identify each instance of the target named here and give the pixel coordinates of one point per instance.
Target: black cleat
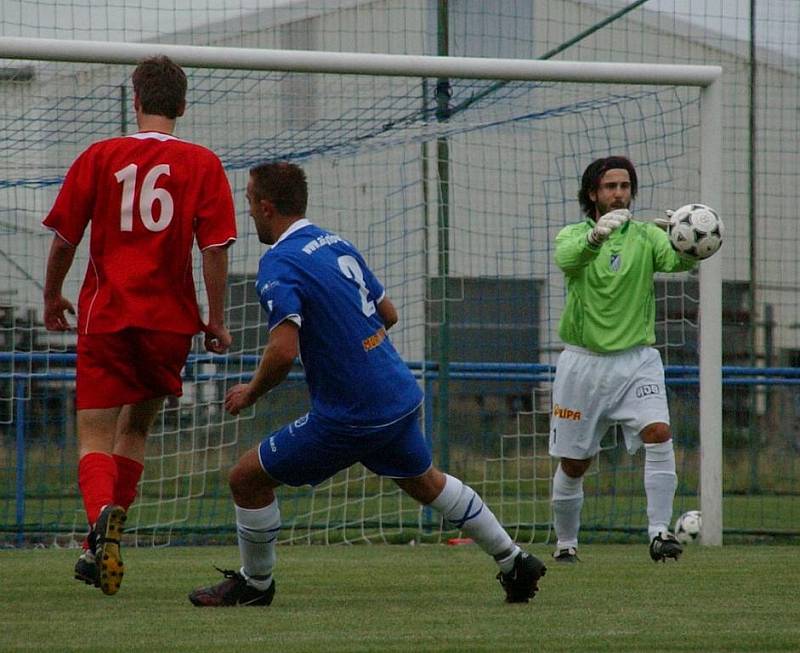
(521, 583)
(108, 531)
(86, 570)
(234, 590)
(568, 555)
(663, 546)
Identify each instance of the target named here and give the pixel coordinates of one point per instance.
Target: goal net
(452, 187)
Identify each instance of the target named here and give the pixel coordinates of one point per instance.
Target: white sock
(660, 482)
(567, 505)
(462, 507)
(257, 532)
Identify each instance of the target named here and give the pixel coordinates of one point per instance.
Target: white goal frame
(707, 78)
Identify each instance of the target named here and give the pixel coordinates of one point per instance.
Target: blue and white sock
(257, 532)
(463, 508)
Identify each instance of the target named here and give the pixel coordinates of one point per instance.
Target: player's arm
(215, 275)
(387, 312)
(573, 249)
(276, 362)
(215, 230)
(578, 245)
(59, 262)
(666, 259)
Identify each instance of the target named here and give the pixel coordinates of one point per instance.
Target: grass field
(404, 598)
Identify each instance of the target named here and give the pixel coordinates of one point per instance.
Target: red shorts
(129, 366)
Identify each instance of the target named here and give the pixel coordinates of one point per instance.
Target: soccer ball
(696, 231)
(687, 526)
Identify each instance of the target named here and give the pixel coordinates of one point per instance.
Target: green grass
(403, 598)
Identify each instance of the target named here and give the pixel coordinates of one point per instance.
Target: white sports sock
(567, 505)
(660, 482)
(257, 531)
(462, 507)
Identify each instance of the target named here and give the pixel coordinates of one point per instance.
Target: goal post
(382, 126)
(711, 325)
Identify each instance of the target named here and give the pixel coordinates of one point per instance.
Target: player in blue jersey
(325, 304)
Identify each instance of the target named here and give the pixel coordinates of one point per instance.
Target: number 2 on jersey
(148, 195)
(352, 270)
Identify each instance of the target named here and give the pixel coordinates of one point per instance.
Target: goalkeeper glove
(664, 223)
(607, 223)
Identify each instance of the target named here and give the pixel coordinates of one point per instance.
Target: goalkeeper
(609, 373)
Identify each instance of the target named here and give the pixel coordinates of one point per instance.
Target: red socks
(129, 472)
(104, 479)
(97, 475)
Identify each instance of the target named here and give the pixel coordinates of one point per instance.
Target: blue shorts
(311, 450)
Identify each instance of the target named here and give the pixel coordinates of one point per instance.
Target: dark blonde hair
(160, 84)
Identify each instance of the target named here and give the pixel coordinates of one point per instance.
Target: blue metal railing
(531, 372)
(428, 371)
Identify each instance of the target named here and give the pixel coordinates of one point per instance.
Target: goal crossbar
(359, 63)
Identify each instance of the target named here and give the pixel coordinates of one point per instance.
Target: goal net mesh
(453, 190)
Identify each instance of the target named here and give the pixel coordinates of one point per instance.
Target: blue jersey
(321, 282)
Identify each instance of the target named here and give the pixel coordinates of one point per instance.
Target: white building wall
(511, 190)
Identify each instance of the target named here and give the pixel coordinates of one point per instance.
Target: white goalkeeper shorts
(592, 392)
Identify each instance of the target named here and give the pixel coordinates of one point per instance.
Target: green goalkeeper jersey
(610, 292)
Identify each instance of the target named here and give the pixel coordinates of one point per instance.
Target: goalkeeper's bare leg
(462, 507)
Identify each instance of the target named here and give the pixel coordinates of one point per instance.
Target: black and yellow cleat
(108, 530)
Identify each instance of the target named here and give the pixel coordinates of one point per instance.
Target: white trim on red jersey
(60, 235)
(159, 136)
(224, 243)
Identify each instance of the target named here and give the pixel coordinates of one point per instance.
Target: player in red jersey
(148, 197)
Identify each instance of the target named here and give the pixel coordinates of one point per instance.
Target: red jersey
(148, 197)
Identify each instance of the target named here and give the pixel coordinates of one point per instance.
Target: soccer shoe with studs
(234, 590)
(521, 583)
(86, 570)
(108, 531)
(569, 555)
(663, 546)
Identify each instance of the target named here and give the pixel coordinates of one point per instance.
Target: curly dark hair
(591, 179)
(160, 84)
(282, 183)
